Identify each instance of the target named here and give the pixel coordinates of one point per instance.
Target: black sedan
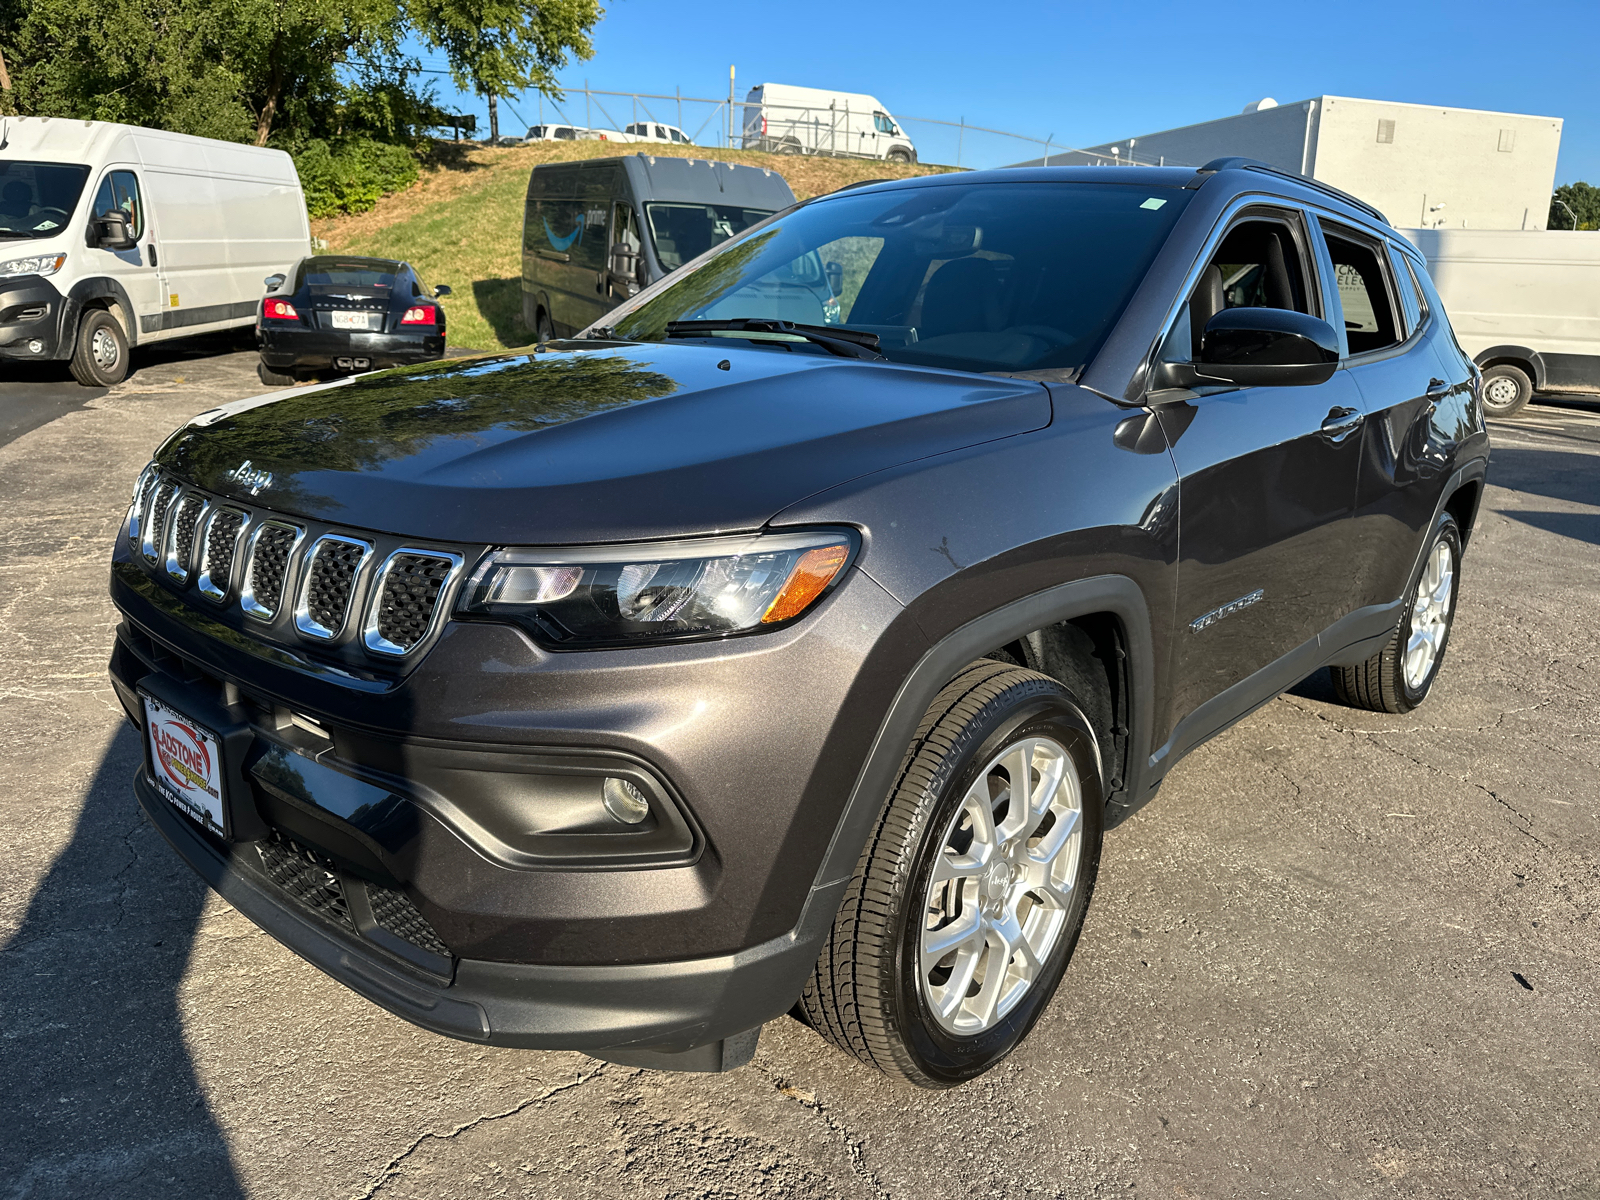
(343, 313)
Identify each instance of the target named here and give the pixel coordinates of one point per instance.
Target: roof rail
(1236, 163)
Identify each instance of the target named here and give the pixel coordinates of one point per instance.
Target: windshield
(685, 231)
(978, 277)
(37, 198)
(325, 276)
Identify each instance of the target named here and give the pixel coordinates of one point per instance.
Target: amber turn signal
(807, 580)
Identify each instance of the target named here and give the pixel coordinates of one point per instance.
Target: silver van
(595, 232)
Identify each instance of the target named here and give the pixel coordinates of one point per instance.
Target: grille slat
(184, 520)
(216, 562)
(394, 911)
(306, 879)
(155, 535)
(410, 597)
(269, 568)
(330, 581)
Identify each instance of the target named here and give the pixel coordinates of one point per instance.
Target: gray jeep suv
(788, 644)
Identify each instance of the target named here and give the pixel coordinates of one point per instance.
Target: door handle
(154, 261)
(1340, 423)
(1436, 386)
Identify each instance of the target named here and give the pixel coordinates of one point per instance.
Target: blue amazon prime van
(596, 232)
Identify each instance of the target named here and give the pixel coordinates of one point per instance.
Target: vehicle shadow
(1557, 474)
(100, 1097)
(500, 303)
(1580, 527)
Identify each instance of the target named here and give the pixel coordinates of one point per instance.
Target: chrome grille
(268, 569)
(408, 599)
(155, 523)
(141, 502)
(185, 517)
(330, 580)
(216, 558)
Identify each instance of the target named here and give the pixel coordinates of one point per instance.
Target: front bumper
(30, 312)
(297, 346)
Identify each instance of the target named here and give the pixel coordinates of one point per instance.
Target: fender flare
(1117, 594)
(86, 290)
(1520, 353)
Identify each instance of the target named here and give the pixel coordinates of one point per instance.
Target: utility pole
(494, 119)
(730, 106)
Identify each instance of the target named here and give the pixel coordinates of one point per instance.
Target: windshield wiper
(846, 343)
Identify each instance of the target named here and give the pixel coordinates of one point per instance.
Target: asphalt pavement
(1342, 955)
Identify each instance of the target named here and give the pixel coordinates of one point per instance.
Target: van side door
(1267, 484)
(138, 270)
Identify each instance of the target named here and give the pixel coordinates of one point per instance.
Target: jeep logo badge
(252, 479)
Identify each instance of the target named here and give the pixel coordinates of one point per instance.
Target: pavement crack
(852, 1142)
(395, 1163)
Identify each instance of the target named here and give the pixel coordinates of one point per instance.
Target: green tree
(1575, 200)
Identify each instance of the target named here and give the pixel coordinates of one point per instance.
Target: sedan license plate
(355, 320)
(185, 761)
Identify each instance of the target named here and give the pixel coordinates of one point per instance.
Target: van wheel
(275, 378)
(100, 355)
(1506, 390)
(543, 330)
(789, 146)
(967, 902)
(900, 158)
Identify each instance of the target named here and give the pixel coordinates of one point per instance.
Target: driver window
(1258, 265)
(120, 190)
(624, 229)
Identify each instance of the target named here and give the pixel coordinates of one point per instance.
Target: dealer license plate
(356, 320)
(186, 762)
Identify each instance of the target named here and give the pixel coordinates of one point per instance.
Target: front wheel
(543, 330)
(1399, 677)
(969, 898)
(1506, 390)
(900, 158)
(100, 355)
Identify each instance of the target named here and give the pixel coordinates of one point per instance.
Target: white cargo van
(797, 120)
(113, 236)
(1525, 303)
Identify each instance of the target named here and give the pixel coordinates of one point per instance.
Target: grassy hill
(461, 223)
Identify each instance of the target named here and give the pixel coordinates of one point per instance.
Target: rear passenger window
(1369, 321)
(1410, 298)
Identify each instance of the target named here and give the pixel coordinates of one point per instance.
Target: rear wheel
(900, 157)
(1506, 390)
(543, 331)
(970, 895)
(100, 355)
(275, 378)
(1399, 677)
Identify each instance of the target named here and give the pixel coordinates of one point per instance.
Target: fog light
(624, 801)
(36, 347)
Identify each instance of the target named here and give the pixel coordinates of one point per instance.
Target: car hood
(574, 445)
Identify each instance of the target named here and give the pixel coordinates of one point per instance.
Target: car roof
(1239, 175)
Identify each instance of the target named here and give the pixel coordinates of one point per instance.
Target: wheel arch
(95, 291)
(1526, 360)
(1106, 611)
(1462, 504)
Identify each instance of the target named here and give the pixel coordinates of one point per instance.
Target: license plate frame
(184, 759)
(362, 322)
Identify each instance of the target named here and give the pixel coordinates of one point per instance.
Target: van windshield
(685, 231)
(1008, 277)
(37, 198)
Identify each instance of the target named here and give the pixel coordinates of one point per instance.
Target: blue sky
(1084, 74)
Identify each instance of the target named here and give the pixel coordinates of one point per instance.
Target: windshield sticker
(561, 243)
(1153, 203)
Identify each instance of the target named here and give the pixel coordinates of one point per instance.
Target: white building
(1424, 166)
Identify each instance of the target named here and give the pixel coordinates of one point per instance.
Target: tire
(1399, 677)
(789, 147)
(900, 158)
(100, 352)
(543, 331)
(1506, 390)
(275, 378)
(884, 987)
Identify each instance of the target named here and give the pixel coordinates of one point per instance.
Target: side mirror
(835, 274)
(622, 258)
(112, 231)
(1257, 347)
(442, 290)
(274, 282)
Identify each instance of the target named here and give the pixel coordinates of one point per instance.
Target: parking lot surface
(1343, 954)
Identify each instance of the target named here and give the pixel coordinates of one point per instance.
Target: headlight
(42, 264)
(658, 591)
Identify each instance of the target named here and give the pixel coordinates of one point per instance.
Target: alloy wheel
(1431, 611)
(1000, 888)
